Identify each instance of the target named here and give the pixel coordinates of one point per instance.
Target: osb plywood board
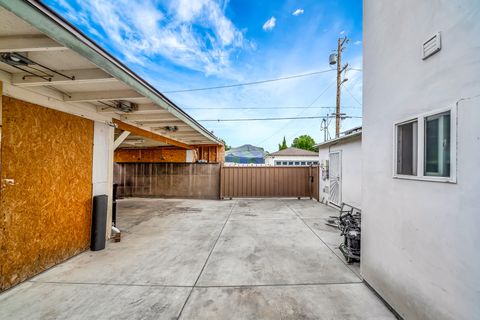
(46, 213)
(150, 155)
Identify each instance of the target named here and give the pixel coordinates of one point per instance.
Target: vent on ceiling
(431, 46)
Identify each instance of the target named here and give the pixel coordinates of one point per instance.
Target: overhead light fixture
(15, 59)
(20, 62)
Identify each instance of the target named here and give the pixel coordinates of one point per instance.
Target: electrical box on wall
(431, 46)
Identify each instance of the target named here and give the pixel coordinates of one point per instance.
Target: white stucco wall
(270, 160)
(420, 239)
(102, 174)
(351, 170)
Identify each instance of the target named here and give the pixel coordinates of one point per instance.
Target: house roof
(245, 154)
(94, 84)
(293, 152)
(349, 134)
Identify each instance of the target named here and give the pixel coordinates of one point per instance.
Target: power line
(351, 95)
(263, 108)
(270, 119)
(251, 83)
(308, 106)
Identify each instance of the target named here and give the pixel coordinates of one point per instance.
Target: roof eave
(60, 30)
(337, 140)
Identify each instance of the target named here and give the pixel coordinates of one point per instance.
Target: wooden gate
(269, 182)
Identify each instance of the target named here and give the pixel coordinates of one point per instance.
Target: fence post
(310, 184)
(221, 182)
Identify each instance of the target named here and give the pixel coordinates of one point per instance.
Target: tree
(304, 142)
(282, 145)
(227, 147)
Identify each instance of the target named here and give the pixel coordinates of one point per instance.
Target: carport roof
(98, 83)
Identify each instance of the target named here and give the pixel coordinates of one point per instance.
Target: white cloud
(357, 42)
(269, 24)
(192, 34)
(342, 32)
(297, 12)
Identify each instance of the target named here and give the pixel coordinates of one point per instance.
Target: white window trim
(421, 143)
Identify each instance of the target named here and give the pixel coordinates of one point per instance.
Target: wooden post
(221, 181)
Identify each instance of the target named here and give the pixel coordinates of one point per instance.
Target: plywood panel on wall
(151, 155)
(46, 214)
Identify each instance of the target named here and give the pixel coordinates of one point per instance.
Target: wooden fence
(269, 182)
(168, 180)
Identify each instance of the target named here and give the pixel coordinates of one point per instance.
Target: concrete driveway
(198, 259)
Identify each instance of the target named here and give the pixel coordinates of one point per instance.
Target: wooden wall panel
(46, 213)
(211, 153)
(150, 155)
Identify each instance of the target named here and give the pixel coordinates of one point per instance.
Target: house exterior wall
(351, 171)
(270, 160)
(420, 238)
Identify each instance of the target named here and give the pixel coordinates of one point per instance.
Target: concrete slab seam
(316, 235)
(282, 285)
(206, 261)
(110, 284)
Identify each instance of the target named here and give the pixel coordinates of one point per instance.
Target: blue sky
(186, 44)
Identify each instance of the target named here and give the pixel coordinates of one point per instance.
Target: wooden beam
(120, 139)
(29, 43)
(103, 96)
(81, 76)
(150, 135)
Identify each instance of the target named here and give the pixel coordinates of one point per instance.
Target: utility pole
(340, 69)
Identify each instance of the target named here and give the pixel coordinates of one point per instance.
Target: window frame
(396, 129)
(420, 118)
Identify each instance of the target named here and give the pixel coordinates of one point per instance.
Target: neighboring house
(246, 154)
(292, 157)
(341, 166)
(421, 156)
